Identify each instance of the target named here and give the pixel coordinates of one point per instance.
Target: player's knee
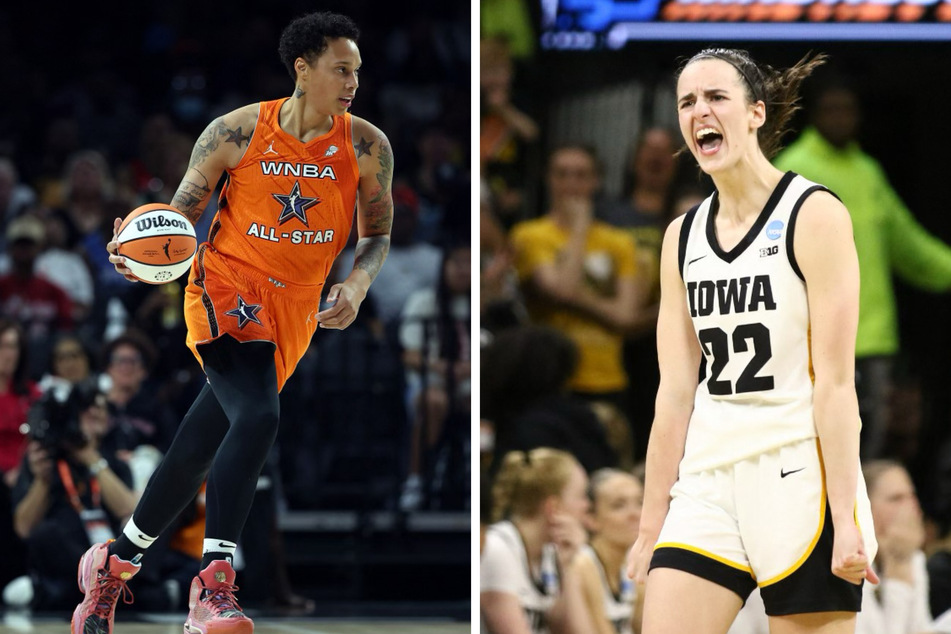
(258, 422)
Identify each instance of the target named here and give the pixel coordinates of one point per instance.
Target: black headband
(717, 54)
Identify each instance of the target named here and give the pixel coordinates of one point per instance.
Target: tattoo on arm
(195, 187)
(372, 249)
(235, 136)
(363, 147)
(379, 211)
(370, 254)
(191, 194)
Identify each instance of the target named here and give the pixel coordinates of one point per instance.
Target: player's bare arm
(220, 146)
(678, 353)
(825, 251)
(375, 201)
(374, 221)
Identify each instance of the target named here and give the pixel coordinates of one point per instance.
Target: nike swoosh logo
(783, 474)
(695, 259)
(223, 545)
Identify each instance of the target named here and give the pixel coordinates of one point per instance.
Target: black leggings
(226, 436)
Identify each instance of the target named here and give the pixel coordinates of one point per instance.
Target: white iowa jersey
(504, 568)
(751, 317)
(618, 609)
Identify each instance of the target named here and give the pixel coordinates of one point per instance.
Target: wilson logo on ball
(159, 222)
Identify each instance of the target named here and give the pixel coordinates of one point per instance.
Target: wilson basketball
(158, 243)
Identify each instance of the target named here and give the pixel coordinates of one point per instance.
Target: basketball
(158, 243)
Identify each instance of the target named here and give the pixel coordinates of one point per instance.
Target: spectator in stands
(17, 394)
(70, 362)
(579, 275)
(15, 197)
(887, 237)
(529, 579)
(613, 602)
(644, 211)
(506, 133)
(900, 604)
(139, 418)
(40, 307)
(89, 205)
(434, 335)
(525, 371)
(68, 493)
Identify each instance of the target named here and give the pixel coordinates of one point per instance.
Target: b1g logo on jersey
(765, 252)
(774, 230)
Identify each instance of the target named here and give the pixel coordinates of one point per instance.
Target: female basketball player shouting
(759, 291)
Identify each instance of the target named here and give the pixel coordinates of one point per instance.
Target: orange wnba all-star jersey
(284, 215)
(287, 208)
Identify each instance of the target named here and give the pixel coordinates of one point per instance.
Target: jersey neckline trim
(737, 251)
(293, 139)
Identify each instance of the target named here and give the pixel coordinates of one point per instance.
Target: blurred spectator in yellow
(579, 275)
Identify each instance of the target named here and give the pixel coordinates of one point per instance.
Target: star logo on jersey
(295, 205)
(245, 312)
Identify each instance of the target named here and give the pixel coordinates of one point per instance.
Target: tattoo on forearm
(370, 254)
(363, 147)
(299, 92)
(191, 195)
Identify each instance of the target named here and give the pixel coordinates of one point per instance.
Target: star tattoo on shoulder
(235, 136)
(363, 147)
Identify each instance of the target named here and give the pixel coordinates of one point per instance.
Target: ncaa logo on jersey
(774, 230)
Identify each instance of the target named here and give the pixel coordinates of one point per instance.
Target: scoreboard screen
(599, 24)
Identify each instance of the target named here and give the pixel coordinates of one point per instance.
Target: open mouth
(709, 140)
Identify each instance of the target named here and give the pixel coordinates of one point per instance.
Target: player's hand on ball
(345, 300)
(117, 260)
(849, 559)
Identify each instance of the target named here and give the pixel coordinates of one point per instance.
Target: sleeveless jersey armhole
(348, 127)
(793, 216)
(684, 236)
(262, 117)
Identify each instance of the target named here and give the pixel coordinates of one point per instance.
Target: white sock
(219, 546)
(136, 536)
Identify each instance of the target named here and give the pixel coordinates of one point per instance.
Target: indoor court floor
(165, 624)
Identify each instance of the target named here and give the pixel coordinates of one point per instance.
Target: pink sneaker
(103, 579)
(212, 608)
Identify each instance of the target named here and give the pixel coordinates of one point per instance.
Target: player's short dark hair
(307, 36)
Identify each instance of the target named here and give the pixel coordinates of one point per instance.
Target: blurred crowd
(569, 282)
(94, 373)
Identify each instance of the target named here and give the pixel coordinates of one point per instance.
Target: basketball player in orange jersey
(295, 168)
